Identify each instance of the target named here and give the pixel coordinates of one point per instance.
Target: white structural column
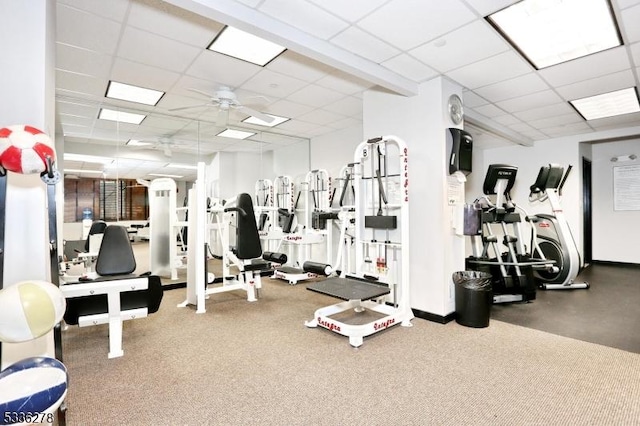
(436, 252)
(27, 77)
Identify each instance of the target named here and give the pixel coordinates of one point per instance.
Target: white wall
(616, 234)
(334, 151)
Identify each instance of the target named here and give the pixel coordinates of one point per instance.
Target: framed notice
(626, 188)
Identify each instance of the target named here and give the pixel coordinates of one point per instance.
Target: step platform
(349, 289)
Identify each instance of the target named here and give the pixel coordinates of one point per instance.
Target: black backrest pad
(248, 242)
(97, 227)
(90, 305)
(116, 255)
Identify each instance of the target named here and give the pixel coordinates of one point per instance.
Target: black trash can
(474, 297)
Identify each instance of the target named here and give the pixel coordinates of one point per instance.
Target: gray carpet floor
(244, 363)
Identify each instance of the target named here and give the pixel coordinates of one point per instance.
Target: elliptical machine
(551, 236)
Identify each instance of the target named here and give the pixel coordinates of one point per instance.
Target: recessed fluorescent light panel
(127, 92)
(82, 171)
(610, 104)
(182, 166)
(135, 142)
(235, 134)
(241, 45)
(87, 158)
(164, 175)
(120, 116)
(276, 120)
(549, 32)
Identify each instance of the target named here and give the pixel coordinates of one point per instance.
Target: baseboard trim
(433, 317)
(620, 264)
(173, 286)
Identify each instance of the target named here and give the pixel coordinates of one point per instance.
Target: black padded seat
(115, 261)
(97, 227)
(116, 255)
(248, 240)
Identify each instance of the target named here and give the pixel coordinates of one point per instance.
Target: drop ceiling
(336, 50)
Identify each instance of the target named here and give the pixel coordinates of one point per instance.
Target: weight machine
(380, 290)
(551, 236)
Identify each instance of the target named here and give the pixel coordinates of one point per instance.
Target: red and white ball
(24, 149)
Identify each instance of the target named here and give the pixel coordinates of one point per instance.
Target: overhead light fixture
(276, 120)
(182, 166)
(165, 175)
(136, 142)
(120, 116)
(549, 32)
(247, 47)
(235, 134)
(128, 92)
(87, 158)
(82, 171)
(610, 104)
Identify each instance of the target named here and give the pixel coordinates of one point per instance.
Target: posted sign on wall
(626, 188)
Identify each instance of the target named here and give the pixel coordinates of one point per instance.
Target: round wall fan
(225, 99)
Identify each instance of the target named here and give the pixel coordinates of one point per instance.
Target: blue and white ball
(33, 385)
(29, 309)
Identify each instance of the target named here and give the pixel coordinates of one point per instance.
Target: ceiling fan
(164, 144)
(225, 100)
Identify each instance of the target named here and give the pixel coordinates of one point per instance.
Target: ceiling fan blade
(189, 107)
(208, 95)
(257, 114)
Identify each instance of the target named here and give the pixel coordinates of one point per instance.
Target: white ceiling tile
(286, 108)
(350, 11)
(408, 23)
(595, 65)
(463, 46)
(305, 17)
(635, 53)
(173, 22)
(83, 61)
(250, 3)
(164, 122)
(612, 122)
(489, 110)
(519, 86)
(76, 109)
(83, 29)
(130, 72)
(273, 85)
(623, 4)
(81, 83)
(630, 24)
(506, 120)
(343, 83)
(316, 96)
(76, 120)
(472, 99)
(544, 112)
(349, 105)
(410, 68)
(364, 44)
(596, 86)
(533, 100)
(222, 69)
(296, 65)
(320, 116)
(503, 66)
(487, 7)
(345, 123)
(521, 127)
(151, 49)
(112, 9)
(568, 129)
(556, 120)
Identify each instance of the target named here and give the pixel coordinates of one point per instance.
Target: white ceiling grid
(395, 43)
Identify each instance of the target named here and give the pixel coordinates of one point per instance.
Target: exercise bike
(551, 236)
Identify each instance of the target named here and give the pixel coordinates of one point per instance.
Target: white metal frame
(396, 310)
(114, 316)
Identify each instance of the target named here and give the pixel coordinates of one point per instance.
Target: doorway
(586, 211)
